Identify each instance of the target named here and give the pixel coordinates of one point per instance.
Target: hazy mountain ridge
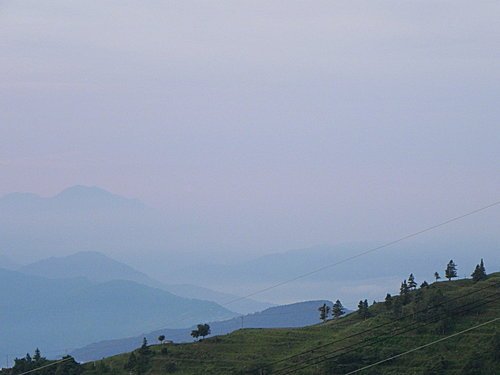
(79, 218)
(395, 262)
(47, 309)
(98, 267)
(90, 264)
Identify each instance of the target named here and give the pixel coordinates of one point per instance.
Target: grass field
(342, 345)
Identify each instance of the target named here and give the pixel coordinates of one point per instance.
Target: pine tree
(337, 309)
(388, 301)
(37, 357)
(404, 288)
(361, 308)
(324, 311)
(366, 311)
(411, 282)
(144, 349)
(425, 284)
(451, 270)
(404, 292)
(479, 273)
(436, 276)
(481, 265)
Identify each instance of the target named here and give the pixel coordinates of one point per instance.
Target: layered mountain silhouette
(98, 267)
(59, 314)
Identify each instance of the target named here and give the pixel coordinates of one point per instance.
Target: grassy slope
(243, 351)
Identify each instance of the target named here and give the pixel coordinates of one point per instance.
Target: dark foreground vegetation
(422, 313)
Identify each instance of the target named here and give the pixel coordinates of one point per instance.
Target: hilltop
(343, 345)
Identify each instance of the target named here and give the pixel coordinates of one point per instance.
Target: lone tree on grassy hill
(337, 309)
(201, 330)
(436, 276)
(479, 273)
(161, 338)
(451, 270)
(324, 311)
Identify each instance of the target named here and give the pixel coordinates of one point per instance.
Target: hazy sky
(258, 125)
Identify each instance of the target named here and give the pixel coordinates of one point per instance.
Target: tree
(337, 309)
(161, 338)
(144, 349)
(323, 312)
(411, 282)
(388, 301)
(425, 284)
(404, 290)
(451, 270)
(361, 308)
(37, 357)
(479, 273)
(436, 276)
(481, 266)
(195, 333)
(204, 330)
(201, 330)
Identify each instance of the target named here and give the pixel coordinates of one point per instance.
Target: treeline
(409, 292)
(42, 366)
(430, 312)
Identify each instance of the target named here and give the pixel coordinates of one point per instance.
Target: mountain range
(60, 314)
(98, 267)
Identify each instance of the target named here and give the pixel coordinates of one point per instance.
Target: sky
(259, 125)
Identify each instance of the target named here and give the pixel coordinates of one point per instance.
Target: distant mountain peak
(82, 191)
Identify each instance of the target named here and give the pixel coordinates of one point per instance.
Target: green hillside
(458, 305)
(348, 343)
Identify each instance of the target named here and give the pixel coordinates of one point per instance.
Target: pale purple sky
(258, 124)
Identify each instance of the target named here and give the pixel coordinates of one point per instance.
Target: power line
(387, 244)
(325, 357)
(423, 346)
